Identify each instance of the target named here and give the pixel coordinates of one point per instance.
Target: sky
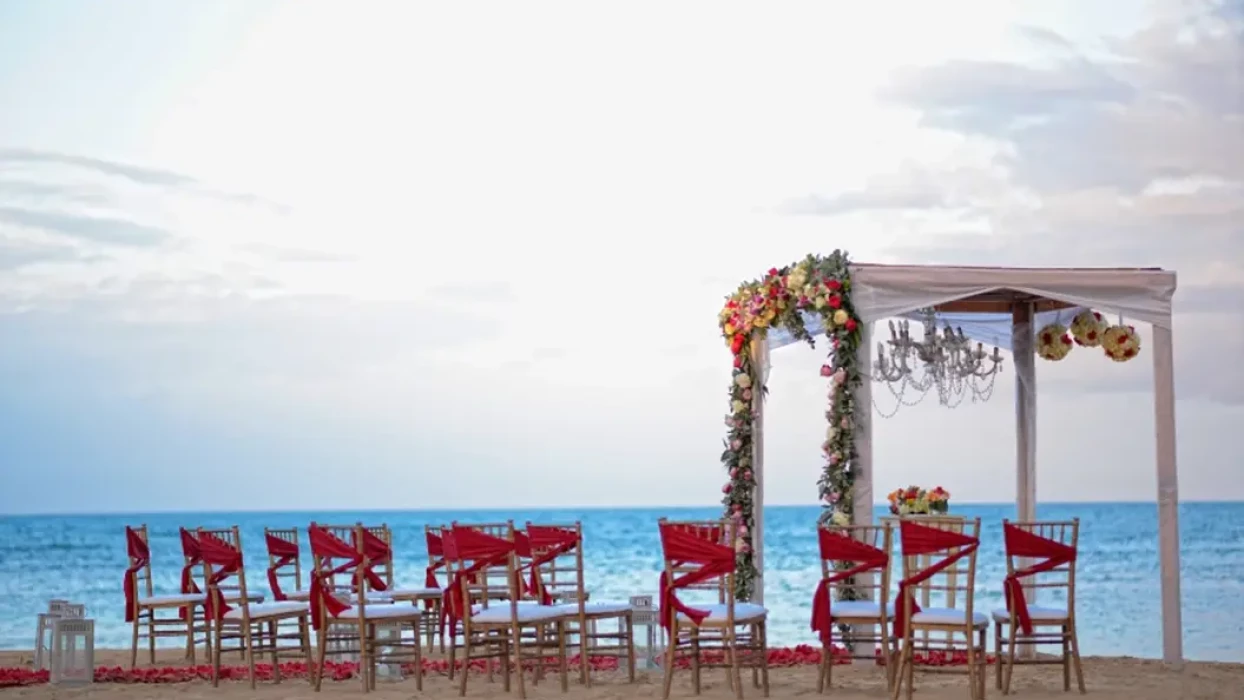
(311, 255)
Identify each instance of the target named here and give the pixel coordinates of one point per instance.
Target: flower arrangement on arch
(914, 500)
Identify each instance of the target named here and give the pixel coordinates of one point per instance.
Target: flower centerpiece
(914, 500)
(1121, 343)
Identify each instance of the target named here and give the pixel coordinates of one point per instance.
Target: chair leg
(563, 663)
(669, 661)
(973, 685)
(764, 657)
(997, 652)
(1010, 658)
(248, 652)
(134, 644)
(1075, 657)
(515, 658)
(695, 660)
(215, 631)
(466, 662)
(1066, 644)
(629, 622)
(419, 656)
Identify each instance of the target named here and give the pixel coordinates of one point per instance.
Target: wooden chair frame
(739, 649)
(592, 641)
(1066, 532)
(291, 570)
(255, 625)
(503, 637)
(422, 595)
(876, 585)
(370, 648)
(145, 608)
(959, 579)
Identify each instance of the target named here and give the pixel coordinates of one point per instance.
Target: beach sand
(1106, 678)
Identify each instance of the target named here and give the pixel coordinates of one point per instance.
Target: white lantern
(387, 636)
(73, 651)
(57, 608)
(644, 614)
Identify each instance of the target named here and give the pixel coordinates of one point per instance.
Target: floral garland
(817, 285)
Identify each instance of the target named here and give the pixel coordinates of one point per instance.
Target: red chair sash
(922, 539)
(482, 551)
(681, 546)
(140, 556)
(326, 547)
(377, 552)
(225, 560)
(283, 553)
(436, 558)
(545, 544)
(1022, 543)
(836, 547)
(189, 550)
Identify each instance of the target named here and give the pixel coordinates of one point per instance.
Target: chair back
(221, 552)
(192, 562)
(284, 561)
(1041, 554)
(335, 558)
(480, 553)
(857, 557)
(436, 555)
(947, 588)
(138, 568)
(341, 583)
(555, 570)
(697, 555)
(377, 543)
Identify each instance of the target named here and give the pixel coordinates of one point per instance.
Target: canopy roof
(982, 300)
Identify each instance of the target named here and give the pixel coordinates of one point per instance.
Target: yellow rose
(820, 302)
(762, 322)
(729, 328)
(738, 407)
(840, 317)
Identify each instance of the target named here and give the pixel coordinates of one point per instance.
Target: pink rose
(734, 471)
(826, 370)
(840, 376)
(747, 475)
(834, 458)
(747, 394)
(726, 488)
(736, 444)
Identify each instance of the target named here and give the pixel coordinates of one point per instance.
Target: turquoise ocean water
(83, 557)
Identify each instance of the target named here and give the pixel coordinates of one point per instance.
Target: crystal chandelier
(945, 361)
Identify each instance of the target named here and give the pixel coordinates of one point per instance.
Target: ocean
(82, 558)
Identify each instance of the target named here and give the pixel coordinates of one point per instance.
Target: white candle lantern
(644, 614)
(73, 651)
(387, 636)
(57, 609)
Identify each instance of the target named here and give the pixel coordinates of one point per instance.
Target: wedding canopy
(1005, 307)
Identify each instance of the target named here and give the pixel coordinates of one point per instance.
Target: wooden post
(760, 375)
(1168, 492)
(1022, 350)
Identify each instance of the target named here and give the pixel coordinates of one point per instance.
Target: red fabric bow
(922, 539)
(284, 553)
(683, 545)
(325, 546)
(545, 544)
(482, 550)
(377, 552)
(837, 547)
(226, 560)
(436, 560)
(140, 556)
(1023, 543)
(189, 550)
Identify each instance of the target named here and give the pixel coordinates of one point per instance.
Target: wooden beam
(998, 306)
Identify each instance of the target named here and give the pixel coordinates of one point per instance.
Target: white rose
(830, 432)
(743, 380)
(840, 519)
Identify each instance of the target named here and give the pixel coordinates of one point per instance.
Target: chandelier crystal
(944, 360)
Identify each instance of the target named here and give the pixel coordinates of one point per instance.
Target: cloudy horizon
(254, 252)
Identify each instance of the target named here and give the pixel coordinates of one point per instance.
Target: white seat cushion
(596, 608)
(262, 610)
(174, 599)
(532, 612)
(376, 612)
(298, 595)
(860, 608)
(948, 616)
(743, 612)
(1040, 615)
(396, 593)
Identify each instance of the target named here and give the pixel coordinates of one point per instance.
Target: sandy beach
(1107, 678)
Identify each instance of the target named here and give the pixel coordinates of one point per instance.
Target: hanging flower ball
(1087, 328)
(1121, 343)
(1053, 343)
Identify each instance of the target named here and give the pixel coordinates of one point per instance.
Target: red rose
(835, 302)
(773, 272)
(1092, 335)
(1046, 338)
(1066, 340)
(834, 285)
(850, 325)
(736, 344)
(738, 361)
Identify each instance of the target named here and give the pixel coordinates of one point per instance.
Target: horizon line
(497, 509)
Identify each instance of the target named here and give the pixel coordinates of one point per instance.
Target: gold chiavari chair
(253, 625)
(702, 555)
(1040, 555)
(557, 551)
(939, 557)
(854, 558)
(142, 605)
(497, 631)
(349, 609)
